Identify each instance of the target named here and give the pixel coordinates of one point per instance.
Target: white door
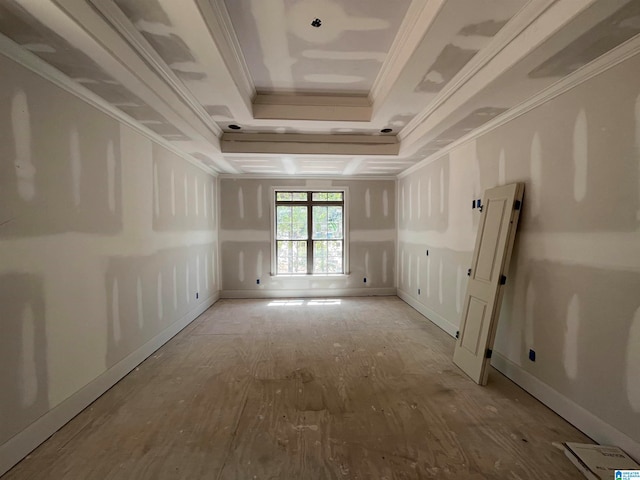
(487, 277)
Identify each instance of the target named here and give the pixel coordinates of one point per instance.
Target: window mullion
(309, 235)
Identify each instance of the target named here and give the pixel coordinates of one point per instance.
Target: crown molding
(308, 144)
(613, 57)
(310, 138)
(218, 21)
(112, 13)
(309, 148)
(253, 176)
(525, 17)
(25, 58)
(416, 23)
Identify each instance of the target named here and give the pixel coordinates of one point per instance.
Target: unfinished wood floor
(356, 388)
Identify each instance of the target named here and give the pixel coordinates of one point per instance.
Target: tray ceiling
(311, 83)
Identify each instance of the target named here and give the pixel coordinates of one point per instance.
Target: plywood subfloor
(356, 388)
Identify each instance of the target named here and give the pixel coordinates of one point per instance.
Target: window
(309, 232)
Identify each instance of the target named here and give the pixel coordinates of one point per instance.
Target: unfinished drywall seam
(529, 316)
(440, 285)
(75, 164)
(385, 202)
(196, 200)
(367, 203)
(175, 288)
(571, 335)
(259, 201)
(156, 191)
(633, 363)
(501, 168)
(384, 267)
(115, 309)
(637, 118)
(186, 283)
(535, 197)
(159, 297)
(580, 156)
(459, 289)
(21, 129)
(139, 303)
(186, 195)
(441, 190)
(28, 374)
(205, 203)
(419, 202)
(111, 177)
(206, 271)
(428, 277)
(429, 198)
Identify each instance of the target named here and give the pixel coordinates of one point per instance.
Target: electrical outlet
(473, 204)
(257, 281)
(418, 291)
(197, 295)
(427, 252)
(532, 355)
(365, 280)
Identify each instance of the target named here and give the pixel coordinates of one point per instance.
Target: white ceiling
(312, 100)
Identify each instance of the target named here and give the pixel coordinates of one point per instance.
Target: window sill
(303, 275)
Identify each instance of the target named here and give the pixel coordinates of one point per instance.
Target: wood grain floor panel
(356, 388)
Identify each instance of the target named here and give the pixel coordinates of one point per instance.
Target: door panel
(471, 335)
(489, 246)
(494, 242)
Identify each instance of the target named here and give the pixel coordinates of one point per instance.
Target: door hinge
(488, 353)
(517, 204)
(503, 279)
(458, 334)
(468, 272)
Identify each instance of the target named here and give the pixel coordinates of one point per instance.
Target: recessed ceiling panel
(342, 53)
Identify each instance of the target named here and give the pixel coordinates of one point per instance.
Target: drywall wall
(245, 239)
(105, 239)
(572, 290)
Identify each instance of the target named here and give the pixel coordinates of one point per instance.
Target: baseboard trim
(308, 293)
(20, 445)
(434, 317)
(578, 416)
(587, 422)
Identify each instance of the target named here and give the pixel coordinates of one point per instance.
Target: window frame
(345, 228)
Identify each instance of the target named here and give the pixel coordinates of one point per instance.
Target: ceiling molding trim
(416, 23)
(25, 58)
(308, 144)
(310, 138)
(218, 21)
(253, 176)
(133, 37)
(520, 22)
(613, 57)
(308, 148)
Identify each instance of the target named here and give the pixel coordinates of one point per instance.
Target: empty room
(318, 239)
